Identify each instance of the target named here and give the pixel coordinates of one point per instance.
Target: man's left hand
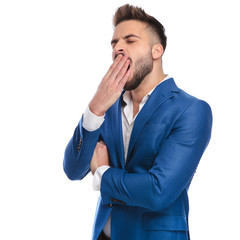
(100, 157)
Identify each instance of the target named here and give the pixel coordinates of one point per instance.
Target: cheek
(140, 53)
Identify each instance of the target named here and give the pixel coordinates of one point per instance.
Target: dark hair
(129, 12)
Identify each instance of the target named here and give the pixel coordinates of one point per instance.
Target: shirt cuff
(92, 122)
(97, 177)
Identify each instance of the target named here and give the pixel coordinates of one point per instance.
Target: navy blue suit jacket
(147, 195)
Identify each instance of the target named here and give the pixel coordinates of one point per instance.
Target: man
(142, 144)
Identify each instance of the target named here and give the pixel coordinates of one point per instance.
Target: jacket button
(110, 205)
(79, 145)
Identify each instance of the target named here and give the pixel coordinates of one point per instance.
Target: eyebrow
(126, 37)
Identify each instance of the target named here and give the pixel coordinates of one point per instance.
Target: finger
(114, 64)
(98, 145)
(102, 143)
(123, 71)
(118, 68)
(123, 81)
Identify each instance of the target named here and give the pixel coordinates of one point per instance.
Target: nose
(118, 49)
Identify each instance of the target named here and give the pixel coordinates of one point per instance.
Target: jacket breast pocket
(158, 221)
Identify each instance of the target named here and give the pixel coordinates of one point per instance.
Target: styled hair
(129, 12)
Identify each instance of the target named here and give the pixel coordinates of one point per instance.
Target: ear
(157, 51)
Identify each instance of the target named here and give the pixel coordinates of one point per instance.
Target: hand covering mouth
(123, 55)
(118, 54)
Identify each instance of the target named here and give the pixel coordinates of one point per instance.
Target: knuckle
(104, 146)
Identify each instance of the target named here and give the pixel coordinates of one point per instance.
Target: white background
(53, 53)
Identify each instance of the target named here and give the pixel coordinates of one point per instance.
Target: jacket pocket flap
(155, 221)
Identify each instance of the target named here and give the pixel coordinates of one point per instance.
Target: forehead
(130, 27)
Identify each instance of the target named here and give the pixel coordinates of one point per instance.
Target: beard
(143, 67)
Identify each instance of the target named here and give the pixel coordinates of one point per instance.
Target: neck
(149, 83)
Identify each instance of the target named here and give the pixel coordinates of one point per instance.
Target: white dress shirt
(91, 122)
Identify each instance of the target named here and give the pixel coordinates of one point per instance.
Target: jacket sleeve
(79, 151)
(173, 167)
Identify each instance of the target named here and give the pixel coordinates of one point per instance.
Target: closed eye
(130, 41)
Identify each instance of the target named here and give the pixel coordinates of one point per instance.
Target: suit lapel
(117, 131)
(160, 94)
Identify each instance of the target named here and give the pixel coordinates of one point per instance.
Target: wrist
(96, 109)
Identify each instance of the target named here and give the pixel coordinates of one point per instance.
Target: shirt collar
(127, 98)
